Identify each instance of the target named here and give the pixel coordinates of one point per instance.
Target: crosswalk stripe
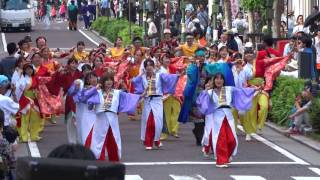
(236, 177)
(193, 177)
(132, 177)
(315, 170)
(305, 178)
(202, 163)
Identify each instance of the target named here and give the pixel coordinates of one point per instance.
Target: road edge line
(88, 37)
(34, 150)
(277, 148)
(4, 42)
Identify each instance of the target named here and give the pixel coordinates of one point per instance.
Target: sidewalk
(313, 144)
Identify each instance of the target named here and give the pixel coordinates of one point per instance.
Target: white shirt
(241, 78)
(299, 28)
(152, 29)
(9, 108)
(317, 46)
(240, 44)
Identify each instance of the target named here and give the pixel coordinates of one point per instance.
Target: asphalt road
(270, 156)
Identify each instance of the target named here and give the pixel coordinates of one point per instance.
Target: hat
(167, 31)
(3, 80)
(229, 32)
(189, 7)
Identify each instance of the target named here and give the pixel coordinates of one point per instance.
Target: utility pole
(144, 21)
(183, 26)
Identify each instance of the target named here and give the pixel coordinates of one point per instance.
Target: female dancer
(216, 103)
(106, 131)
(152, 86)
(86, 97)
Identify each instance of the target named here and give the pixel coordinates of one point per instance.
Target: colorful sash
(152, 90)
(108, 100)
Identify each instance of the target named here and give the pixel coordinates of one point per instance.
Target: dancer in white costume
(216, 103)
(86, 97)
(106, 131)
(152, 86)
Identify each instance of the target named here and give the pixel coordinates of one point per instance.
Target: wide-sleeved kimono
(65, 80)
(106, 131)
(220, 133)
(152, 113)
(86, 99)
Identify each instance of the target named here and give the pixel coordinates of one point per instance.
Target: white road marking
(85, 35)
(315, 170)
(194, 177)
(278, 148)
(236, 177)
(132, 177)
(305, 178)
(34, 151)
(4, 42)
(203, 163)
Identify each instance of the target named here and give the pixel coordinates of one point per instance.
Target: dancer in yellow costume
(30, 122)
(254, 119)
(171, 106)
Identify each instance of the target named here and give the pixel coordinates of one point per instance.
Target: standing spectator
(305, 45)
(174, 31)
(238, 40)
(105, 7)
(300, 26)
(53, 13)
(232, 44)
(92, 10)
(223, 40)
(112, 8)
(85, 14)
(317, 46)
(177, 14)
(202, 15)
(188, 16)
(73, 13)
(133, 10)
(152, 32)
(258, 24)
(7, 64)
(62, 11)
(240, 23)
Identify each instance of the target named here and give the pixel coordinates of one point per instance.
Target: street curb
(104, 38)
(299, 138)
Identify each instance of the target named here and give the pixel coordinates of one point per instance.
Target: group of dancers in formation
(211, 88)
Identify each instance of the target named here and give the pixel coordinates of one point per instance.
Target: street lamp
(269, 15)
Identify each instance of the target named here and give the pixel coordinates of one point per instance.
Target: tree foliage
(252, 5)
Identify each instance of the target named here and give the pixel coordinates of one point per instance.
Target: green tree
(251, 6)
